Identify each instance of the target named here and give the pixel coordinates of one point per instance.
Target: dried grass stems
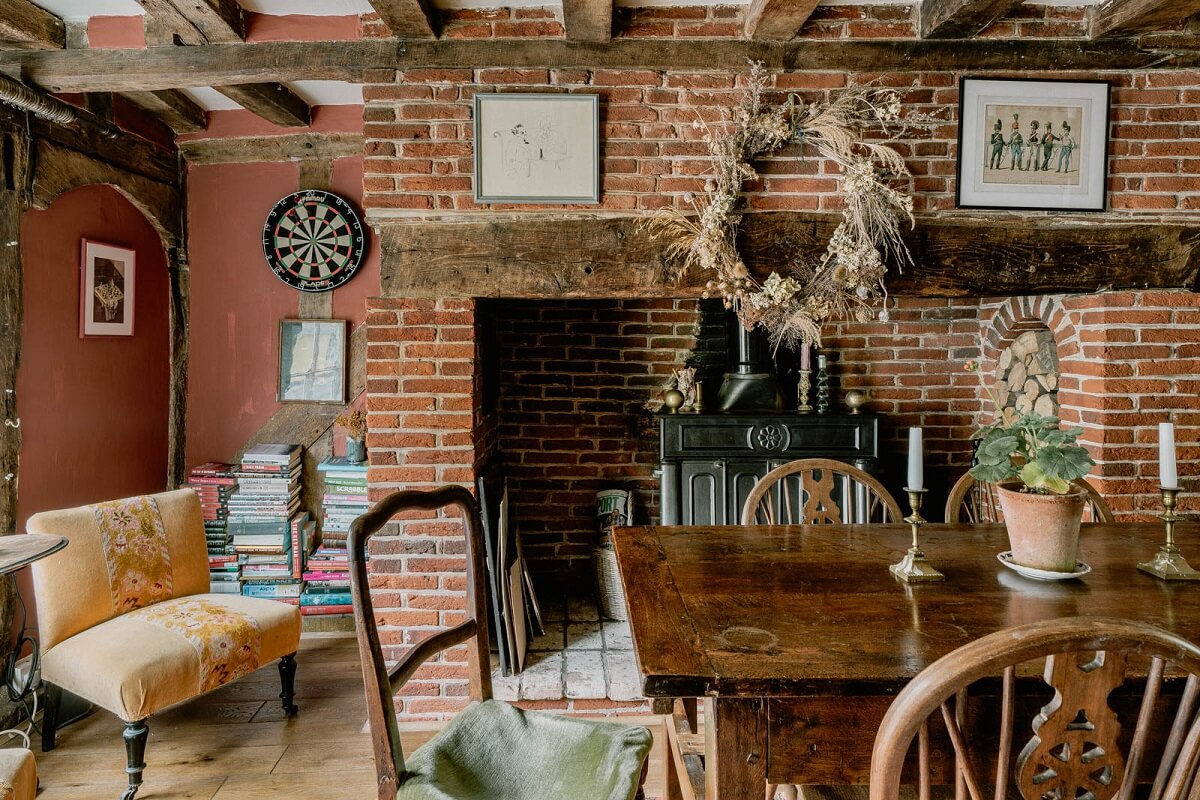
(847, 279)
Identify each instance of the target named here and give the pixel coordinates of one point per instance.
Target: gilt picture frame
(537, 148)
(312, 360)
(1033, 144)
(106, 290)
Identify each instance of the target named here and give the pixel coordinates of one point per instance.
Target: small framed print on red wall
(106, 290)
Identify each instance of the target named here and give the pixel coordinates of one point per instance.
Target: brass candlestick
(802, 407)
(914, 568)
(1168, 563)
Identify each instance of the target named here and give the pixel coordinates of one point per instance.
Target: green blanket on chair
(493, 751)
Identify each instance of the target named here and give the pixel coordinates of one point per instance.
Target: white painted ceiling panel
(82, 9)
(318, 8)
(328, 93)
(211, 99)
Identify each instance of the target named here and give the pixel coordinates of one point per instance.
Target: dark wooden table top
(797, 610)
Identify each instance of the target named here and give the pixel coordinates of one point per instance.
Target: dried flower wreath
(848, 277)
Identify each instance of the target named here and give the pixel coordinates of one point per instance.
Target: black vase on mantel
(752, 384)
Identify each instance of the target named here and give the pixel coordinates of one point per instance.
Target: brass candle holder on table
(1168, 563)
(914, 568)
(802, 406)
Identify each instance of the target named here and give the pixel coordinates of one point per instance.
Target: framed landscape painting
(106, 290)
(537, 148)
(1032, 144)
(312, 361)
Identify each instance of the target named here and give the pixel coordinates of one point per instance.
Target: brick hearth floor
(581, 657)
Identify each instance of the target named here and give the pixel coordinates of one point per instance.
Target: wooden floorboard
(236, 744)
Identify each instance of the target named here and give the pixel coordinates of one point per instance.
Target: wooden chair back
(1071, 748)
(973, 500)
(382, 684)
(818, 491)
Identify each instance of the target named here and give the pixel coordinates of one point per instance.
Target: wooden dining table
(799, 637)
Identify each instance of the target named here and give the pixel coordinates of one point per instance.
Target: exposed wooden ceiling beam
(22, 24)
(219, 21)
(588, 20)
(409, 19)
(777, 20)
(1123, 17)
(175, 109)
(961, 19)
(165, 24)
(259, 149)
(225, 65)
(274, 102)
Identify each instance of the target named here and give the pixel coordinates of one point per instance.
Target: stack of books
(327, 577)
(214, 482)
(265, 519)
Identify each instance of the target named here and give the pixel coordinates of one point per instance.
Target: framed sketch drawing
(537, 148)
(1032, 144)
(106, 292)
(312, 361)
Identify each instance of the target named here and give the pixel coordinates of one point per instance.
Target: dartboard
(313, 241)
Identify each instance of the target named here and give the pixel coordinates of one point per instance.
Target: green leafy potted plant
(1033, 461)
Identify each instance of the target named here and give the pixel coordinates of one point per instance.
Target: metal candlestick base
(1168, 563)
(802, 406)
(914, 568)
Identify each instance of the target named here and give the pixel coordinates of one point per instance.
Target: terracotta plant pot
(1043, 529)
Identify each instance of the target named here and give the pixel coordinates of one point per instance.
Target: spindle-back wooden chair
(818, 491)
(1071, 748)
(973, 500)
(489, 750)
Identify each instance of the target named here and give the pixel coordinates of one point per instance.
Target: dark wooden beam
(274, 102)
(588, 20)
(777, 20)
(290, 147)
(961, 19)
(1123, 17)
(175, 109)
(615, 257)
(166, 25)
(409, 19)
(226, 65)
(219, 21)
(22, 24)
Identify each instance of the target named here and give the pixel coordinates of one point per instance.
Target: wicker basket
(608, 584)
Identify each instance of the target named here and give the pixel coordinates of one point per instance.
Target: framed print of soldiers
(1043, 141)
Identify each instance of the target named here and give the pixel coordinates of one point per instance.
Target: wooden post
(735, 760)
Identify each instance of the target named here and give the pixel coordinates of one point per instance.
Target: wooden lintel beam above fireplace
(615, 257)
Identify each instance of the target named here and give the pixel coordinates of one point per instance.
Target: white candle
(916, 460)
(1168, 477)
(805, 356)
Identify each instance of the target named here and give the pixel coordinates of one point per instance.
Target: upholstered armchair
(126, 620)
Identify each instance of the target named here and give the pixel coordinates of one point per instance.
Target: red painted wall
(236, 302)
(93, 411)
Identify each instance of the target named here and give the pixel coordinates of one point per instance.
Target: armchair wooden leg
(50, 716)
(136, 734)
(287, 676)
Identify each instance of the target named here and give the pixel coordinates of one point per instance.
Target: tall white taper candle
(1168, 476)
(916, 460)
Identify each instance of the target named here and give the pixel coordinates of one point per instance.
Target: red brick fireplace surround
(555, 389)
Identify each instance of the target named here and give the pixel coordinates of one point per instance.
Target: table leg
(735, 743)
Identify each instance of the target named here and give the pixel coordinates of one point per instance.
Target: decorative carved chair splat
(1077, 750)
(818, 491)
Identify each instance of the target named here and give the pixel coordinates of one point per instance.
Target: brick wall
(575, 378)
(574, 374)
